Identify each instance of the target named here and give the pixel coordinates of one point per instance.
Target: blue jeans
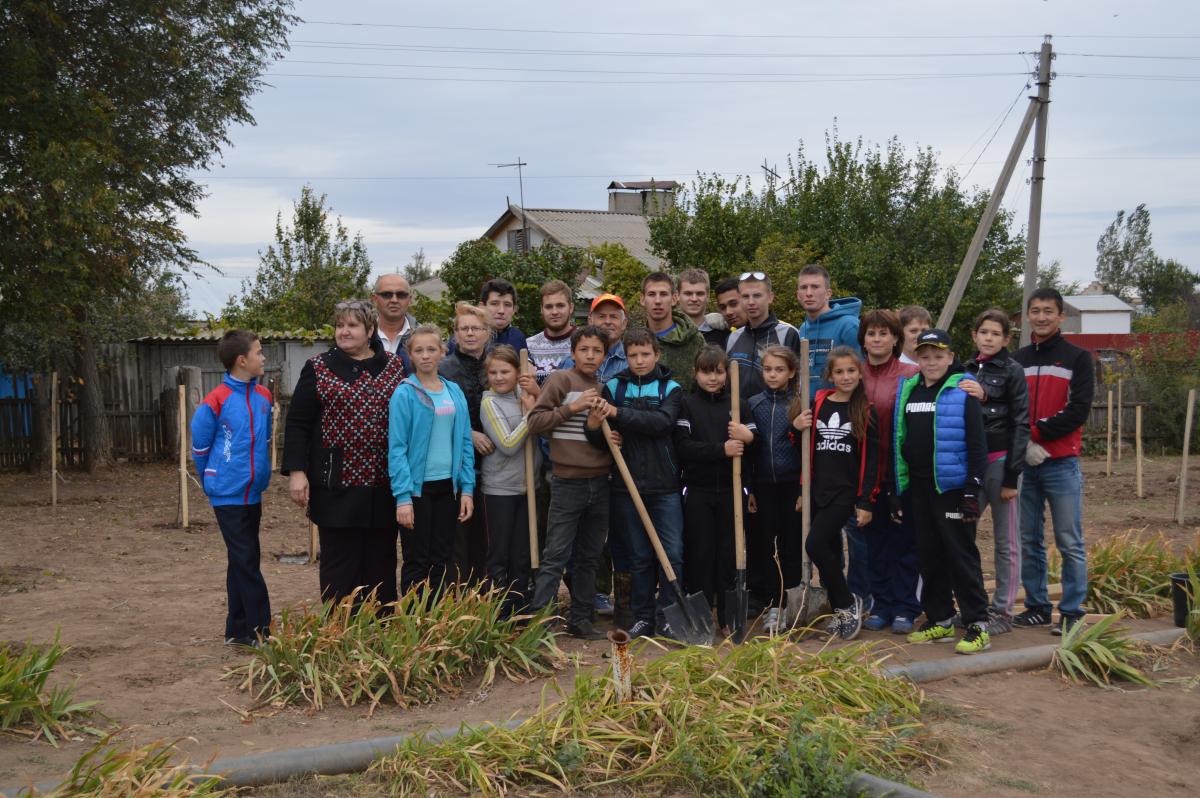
(858, 572)
(578, 521)
(666, 511)
(894, 568)
(1059, 482)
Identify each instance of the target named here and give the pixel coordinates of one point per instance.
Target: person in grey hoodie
(505, 511)
(827, 324)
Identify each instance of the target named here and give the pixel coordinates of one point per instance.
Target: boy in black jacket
(641, 405)
(707, 440)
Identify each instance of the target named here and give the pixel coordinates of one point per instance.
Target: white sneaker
(772, 624)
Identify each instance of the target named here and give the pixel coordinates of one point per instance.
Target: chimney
(648, 197)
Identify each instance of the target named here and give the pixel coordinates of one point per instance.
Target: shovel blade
(805, 603)
(737, 607)
(691, 620)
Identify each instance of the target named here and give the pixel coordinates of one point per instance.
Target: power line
(1166, 78)
(1011, 106)
(1138, 56)
(706, 81)
(1001, 116)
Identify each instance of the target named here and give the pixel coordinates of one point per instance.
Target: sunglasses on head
(353, 304)
(392, 294)
(760, 276)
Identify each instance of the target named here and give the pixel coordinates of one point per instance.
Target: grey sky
(1113, 141)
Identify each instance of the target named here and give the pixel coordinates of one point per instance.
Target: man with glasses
(392, 296)
(763, 328)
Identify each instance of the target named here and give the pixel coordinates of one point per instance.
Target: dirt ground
(141, 604)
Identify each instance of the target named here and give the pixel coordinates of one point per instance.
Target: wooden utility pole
(1034, 113)
(1033, 236)
(1183, 467)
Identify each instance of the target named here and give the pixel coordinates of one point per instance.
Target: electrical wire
(705, 81)
(996, 131)
(1000, 117)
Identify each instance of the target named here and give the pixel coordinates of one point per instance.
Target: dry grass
(109, 771)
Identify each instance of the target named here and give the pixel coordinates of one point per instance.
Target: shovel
(690, 616)
(530, 488)
(805, 602)
(737, 601)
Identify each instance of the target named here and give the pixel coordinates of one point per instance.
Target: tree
(621, 273)
(418, 269)
(110, 108)
(312, 266)
(1162, 283)
(1050, 276)
(892, 229)
(1124, 251)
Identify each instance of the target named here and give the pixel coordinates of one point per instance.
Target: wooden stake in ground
(314, 547)
(1137, 441)
(1108, 437)
(1187, 445)
(54, 439)
(183, 445)
(1120, 417)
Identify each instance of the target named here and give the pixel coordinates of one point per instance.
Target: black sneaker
(1032, 617)
(1066, 624)
(640, 629)
(585, 631)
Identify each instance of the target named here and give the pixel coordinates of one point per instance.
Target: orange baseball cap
(608, 298)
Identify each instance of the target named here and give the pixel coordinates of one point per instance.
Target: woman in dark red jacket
(891, 547)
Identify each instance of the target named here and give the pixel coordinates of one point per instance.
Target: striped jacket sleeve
(507, 439)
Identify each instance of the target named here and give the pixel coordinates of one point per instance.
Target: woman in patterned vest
(335, 451)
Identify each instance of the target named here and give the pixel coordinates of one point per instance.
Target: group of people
(395, 433)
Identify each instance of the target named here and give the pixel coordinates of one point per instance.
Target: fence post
(1120, 417)
(183, 488)
(1137, 433)
(1108, 436)
(1183, 466)
(54, 439)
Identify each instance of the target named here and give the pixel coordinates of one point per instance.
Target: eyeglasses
(353, 304)
(392, 294)
(475, 329)
(760, 276)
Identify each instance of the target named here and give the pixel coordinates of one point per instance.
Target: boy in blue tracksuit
(828, 323)
(231, 433)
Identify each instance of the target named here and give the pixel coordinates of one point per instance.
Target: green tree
(620, 272)
(1124, 251)
(110, 108)
(419, 269)
(313, 265)
(1050, 276)
(1162, 283)
(781, 258)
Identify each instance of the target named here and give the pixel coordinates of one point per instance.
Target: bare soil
(141, 604)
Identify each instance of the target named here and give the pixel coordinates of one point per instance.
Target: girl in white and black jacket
(845, 477)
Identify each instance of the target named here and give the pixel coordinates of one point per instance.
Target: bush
(1164, 370)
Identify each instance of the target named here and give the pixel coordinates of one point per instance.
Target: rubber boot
(622, 599)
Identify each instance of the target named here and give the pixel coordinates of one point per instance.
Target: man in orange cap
(608, 313)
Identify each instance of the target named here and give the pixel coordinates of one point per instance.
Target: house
(630, 203)
(1097, 313)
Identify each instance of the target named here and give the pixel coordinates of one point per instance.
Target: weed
(1191, 622)
(354, 654)
(1099, 653)
(1127, 572)
(28, 707)
(108, 771)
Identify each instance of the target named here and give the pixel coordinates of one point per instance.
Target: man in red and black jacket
(1061, 382)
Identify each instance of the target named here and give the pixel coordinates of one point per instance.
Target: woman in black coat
(335, 455)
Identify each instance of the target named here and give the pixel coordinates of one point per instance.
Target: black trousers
(709, 565)
(776, 525)
(825, 550)
(506, 519)
(358, 557)
(428, 547)
(470, 554)
(248, 611)
(948, 556)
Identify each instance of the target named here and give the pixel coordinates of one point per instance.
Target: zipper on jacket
(771, 439)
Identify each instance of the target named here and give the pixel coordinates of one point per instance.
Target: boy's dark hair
(993, 314)
(234, 344)
(726, 285)
(911, 313)
(497, 285)
(882, 317)
(589, 331)
(658, 277)
(817, 269)
(710, 358)
(1044, 294)
(640, 336)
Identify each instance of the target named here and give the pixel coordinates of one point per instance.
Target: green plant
(1165, 367)
(1099, 653)
(700, 720)
(1127, 572)
(107, 771)
(806, 766)
(424, 647)
(28, 707)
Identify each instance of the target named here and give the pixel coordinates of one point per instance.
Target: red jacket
(883, 385)
(1061, 380)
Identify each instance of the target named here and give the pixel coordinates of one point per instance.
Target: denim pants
(578, 520)
(892, 554)
(666, 512)
(1059, 482)
(858, 571)
(1005, 535)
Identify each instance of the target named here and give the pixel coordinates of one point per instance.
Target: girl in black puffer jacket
(1000, 387)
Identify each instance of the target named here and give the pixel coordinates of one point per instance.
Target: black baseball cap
(935, 337)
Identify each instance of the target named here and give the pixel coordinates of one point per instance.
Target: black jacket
(467, 373)
(700, 434)
(1005, 411)
(747, 344)
(647, 410)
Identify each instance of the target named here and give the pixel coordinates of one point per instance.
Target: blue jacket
(959, 446)
(777, 459)
(231, 438)
(837, 326)
(410, 419)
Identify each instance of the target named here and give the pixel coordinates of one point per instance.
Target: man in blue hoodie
(231, 433)
(827, 323)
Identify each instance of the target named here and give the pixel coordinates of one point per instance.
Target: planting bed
(140, 602)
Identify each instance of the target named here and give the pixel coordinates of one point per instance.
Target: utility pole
(1034, 113)
(521, 184)
(1033, 236)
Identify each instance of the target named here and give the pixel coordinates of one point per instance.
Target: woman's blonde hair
(364, 312)
(467, 309)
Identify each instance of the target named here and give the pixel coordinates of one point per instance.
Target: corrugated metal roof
(209, 336)
(1097, 302)
(575, 228)
(643, 185)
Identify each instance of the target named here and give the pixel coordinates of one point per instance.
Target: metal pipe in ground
(622, 664)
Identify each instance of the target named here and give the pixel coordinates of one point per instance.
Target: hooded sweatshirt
(680, 345)
(647, 408)
(837, 326)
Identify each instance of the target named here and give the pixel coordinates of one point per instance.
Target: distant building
(1090, 314)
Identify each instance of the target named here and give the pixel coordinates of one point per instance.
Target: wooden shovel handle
(739, 528)
(805, 450)
(638, 503)
(530, 480)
